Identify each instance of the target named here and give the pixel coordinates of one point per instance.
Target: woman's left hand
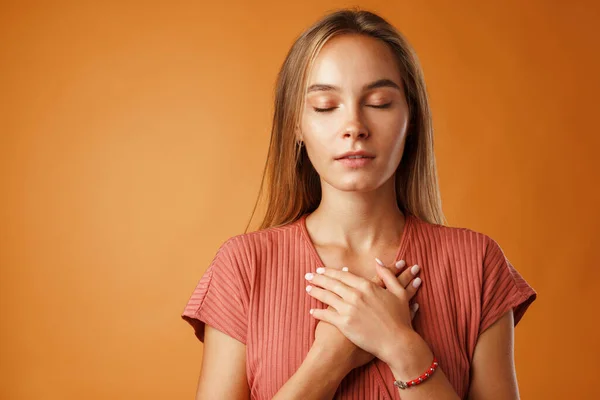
(376, 319)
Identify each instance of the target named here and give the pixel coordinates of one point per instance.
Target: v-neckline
(404, 238)
(375, 365)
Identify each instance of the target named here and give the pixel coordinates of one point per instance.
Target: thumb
(388, 278)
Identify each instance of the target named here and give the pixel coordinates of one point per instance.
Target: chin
(357, 185)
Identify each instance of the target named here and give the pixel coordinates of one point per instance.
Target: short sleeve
(503, 288)
(220, 298)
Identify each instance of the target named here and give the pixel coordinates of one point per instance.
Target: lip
(355, 153)
(355, 162)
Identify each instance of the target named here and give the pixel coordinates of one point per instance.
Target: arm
(492, 369)
(410, 366)
(329, 360)
(332, 356)
(317, 378)
(223, 374)
(493, 375)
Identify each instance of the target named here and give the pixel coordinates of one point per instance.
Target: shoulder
(250, 246)
(454, 237)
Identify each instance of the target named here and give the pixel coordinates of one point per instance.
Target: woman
(321, 302)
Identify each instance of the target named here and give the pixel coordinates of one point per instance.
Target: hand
(369, 316)
(328, 337)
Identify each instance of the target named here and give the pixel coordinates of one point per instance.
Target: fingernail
(308, 288)
(320, 270)
(308, 276)
(414, 269)
(345, 269)
(311, 311)
(400, 264)
(379, 262)
(417, 282)
(415, 307)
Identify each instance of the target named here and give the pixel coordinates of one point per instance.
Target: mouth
(356, 154)
(354, 157)
(355, 161)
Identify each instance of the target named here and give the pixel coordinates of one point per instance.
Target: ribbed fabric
(254, 291)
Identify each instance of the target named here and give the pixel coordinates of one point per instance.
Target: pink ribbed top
(254, 291)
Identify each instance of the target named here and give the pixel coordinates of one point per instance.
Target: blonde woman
(353, 287)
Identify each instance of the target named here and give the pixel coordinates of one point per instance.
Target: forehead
(351, 60)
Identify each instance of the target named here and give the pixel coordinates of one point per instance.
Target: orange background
(132, 144)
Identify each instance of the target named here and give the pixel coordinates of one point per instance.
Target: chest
(361, 264)
(282, 330)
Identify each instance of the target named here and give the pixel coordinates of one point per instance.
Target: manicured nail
(308, 288)
(415, 307)
(417, 282)
(414, 269)
(400, 264)
(308, 276)
(320, 270)
(345, 269)
(379, 262)
(311, 311)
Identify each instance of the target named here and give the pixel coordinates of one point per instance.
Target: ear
(298, 136)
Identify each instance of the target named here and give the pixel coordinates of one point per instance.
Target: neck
(358, 221)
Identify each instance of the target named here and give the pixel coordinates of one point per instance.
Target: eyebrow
(374, 85)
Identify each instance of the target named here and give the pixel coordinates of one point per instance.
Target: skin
(357, 221)
(223, 373)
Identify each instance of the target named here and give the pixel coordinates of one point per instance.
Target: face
(354, 102)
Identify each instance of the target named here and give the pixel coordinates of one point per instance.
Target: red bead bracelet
(420, 379)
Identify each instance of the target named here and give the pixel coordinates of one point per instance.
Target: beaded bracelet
(421, 379)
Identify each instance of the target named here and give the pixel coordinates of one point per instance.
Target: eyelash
(382, 106)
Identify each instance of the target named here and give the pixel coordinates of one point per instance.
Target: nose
(355, 128)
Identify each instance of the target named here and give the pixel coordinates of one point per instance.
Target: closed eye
(324, 109)
(333, 108)
(382, 105)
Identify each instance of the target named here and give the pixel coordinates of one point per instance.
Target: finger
(326, 315)
(390, 281)
(408, 275)
(396, 269)
(325, 296)
(342, 283)
(329, 283)
(412, 288)
(413, 310)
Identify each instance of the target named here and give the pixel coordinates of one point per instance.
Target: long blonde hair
(294, 187)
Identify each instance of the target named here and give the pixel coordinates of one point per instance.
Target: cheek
(390, 134)
(320, 126)
(397, 120)
(319, 134)
(391, 126)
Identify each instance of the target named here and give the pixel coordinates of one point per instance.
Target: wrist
(317, 378)
(334, 365)
(411, 359)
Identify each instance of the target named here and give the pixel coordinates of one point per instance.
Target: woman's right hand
(330, 339)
